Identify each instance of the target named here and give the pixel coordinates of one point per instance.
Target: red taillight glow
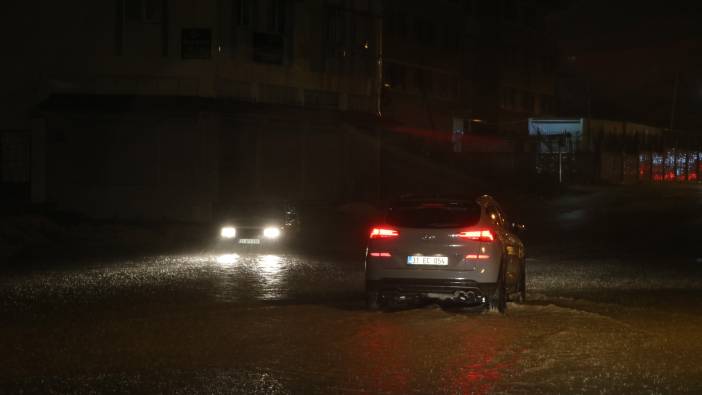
(477, 256)
(380, 254)
(381, 233)
(479, 235)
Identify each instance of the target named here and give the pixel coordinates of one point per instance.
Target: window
(196, 43)
(435, 215)
(336, 26)
(270, 20)
(268, 48)
(275, 15)
(348, 41)
(266, 16)
(145, 11)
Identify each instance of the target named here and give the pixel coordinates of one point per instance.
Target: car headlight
(228, 232)
(271, 233)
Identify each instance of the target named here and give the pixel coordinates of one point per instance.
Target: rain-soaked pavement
(614, 306)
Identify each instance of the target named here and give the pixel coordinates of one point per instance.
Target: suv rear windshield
(434, 216)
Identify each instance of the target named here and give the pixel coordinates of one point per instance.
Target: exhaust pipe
(465, 297)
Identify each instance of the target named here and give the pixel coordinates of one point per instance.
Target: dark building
(169, 108)
(468, 66)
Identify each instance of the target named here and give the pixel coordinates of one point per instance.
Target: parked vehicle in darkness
(446, 250)
(259, 224)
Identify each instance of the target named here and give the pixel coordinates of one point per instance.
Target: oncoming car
(446, 250)
(258, 224)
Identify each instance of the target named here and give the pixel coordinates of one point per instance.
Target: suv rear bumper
(411, 286)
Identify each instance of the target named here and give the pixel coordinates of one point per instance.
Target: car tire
(372, 301)
(498, 301)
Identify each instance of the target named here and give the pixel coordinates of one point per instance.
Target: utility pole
(673, 106)
(377, 13)
(674, 100)
(589, 98)
(379, 61)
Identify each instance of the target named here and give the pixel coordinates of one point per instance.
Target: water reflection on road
(295, 323)
(258, 276)
(246, 277)
(233, 277)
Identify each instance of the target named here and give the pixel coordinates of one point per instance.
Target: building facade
(171, 108)
(459, 69)
(200, 103)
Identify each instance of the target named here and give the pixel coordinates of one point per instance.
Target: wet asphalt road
(615, 303)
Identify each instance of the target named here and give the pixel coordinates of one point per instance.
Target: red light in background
(380, 254)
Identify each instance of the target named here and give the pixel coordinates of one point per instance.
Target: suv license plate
(249, 241)
(427, 260)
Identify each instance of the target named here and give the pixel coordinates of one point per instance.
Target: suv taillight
(477, 235)
(383, 233)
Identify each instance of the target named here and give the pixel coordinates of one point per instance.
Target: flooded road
(247, 322)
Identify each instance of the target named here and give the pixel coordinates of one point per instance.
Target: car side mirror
(517, 227)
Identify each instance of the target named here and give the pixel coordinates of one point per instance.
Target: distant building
(583, 149)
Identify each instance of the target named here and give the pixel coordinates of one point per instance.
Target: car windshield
(255, 210)
(434, 216)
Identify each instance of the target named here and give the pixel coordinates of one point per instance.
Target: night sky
(628, 55)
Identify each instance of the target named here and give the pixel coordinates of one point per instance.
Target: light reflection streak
(227, 260)
(270, 264)
(270, 268)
